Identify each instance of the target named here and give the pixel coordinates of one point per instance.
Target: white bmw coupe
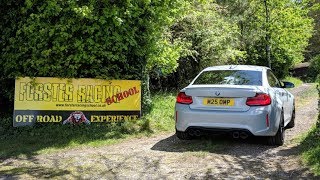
(238, 99)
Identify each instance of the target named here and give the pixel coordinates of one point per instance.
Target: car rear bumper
(254, 120)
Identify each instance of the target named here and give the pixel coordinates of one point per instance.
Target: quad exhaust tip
(194, 132)
(242, 135)
(197, 133)
(235, 135)
(191, 132)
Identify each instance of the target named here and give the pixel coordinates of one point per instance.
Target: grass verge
(306, 96)
(296, 81)
(161, 117)
(29, 141)
(310, 146)
(311, 150)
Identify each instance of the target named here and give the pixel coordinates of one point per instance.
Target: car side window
(273, 81)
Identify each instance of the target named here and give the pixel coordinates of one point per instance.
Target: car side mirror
(287, 84)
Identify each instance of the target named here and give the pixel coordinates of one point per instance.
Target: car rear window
(232, 77)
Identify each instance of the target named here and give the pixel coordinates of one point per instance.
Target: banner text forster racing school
(75, 101)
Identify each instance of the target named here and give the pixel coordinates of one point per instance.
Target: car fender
(276, 112)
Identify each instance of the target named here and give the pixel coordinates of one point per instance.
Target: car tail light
(182, 98)
(259, 100)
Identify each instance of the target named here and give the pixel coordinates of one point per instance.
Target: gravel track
(166, 157)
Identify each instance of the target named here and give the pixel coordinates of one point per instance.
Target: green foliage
(286, 31)
(238, 32)
(204, 38)
(315, 68)
(207, 37)
(318, 88)
(290, 31)
(97, 39)
(169, 40)
(313, 48)
(161, 117)
(311, 150)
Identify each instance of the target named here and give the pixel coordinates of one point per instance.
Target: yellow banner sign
(77, 94)
(42, 95)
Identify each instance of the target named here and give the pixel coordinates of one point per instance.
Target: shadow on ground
(212, 144)
(28, 141)
(249, 158)
(33, 172)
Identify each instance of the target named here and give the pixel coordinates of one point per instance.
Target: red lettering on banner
(122, 95)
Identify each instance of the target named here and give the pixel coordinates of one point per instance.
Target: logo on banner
(76, 117)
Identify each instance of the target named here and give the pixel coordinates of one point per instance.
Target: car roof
(237, 67)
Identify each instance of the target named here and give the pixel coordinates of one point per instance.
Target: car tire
(291, 124)
(278, 139)
(183, 135)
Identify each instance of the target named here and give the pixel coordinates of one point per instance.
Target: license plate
(218, 101)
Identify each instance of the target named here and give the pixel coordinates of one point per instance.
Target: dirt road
(166, 157)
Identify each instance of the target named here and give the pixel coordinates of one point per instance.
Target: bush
(315, 68)
(311, 150)
(206, 38)
(318, 122)
(92, 39)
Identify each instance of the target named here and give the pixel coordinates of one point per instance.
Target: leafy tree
(314, 44)
(205, 38)
(285, 28)
(314, 70)
(291, 29)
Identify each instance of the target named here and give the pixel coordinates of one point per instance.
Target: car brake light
(259, 100)
(182, 98)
